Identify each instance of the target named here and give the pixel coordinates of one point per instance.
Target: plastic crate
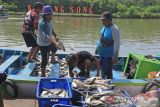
(52, 83)
(143, 67)
(63, 105)
(81, 100)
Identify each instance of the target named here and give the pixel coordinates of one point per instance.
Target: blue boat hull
(19, 71)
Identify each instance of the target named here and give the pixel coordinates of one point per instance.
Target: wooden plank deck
(20, 103)
(28, 69)
(8, 62)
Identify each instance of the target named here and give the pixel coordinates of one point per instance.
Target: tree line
(119, 8)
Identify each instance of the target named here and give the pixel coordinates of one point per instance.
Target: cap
(106, 15)
(37, 4)
(47, 10)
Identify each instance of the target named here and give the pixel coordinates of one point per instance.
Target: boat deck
(21, 103)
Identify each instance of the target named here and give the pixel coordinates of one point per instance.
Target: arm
(97, 64)
(36, 22)
(54, 34)
(35, 19)
(116, 38)
(93, 62)
(52, 39)
(47, 28)
(71, 74)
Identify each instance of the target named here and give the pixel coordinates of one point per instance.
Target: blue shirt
(107, 51)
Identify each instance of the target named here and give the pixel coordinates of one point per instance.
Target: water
(77, 33)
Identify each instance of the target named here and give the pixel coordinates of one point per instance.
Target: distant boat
(3, 13)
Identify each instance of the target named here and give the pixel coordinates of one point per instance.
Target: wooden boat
(21, 73)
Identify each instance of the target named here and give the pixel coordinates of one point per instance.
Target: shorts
(29, 39)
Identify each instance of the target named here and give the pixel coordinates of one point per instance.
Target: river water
(140, 36)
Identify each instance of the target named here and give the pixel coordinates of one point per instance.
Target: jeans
(106, 67)
(45, 51)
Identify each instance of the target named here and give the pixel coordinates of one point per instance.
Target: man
(83, 61)
(46, 39)
(108, 45)
(28, 31)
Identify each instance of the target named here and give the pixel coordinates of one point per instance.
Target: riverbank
(60, 14)
(139, 15)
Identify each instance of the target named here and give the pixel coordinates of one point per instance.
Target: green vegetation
(119, 8)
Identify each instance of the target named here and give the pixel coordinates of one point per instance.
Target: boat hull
(27, 83)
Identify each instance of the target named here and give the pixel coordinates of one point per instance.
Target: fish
(97, 80)
(90, 80)
(103, 93)
(53, 93)
(95, 103)
(63, 94)
(79, 84)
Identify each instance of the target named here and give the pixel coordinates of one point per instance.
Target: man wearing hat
(46, 39)
(108, 45)
(28, 31)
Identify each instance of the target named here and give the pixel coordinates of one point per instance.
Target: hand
(71, 74)
(57, 45)
(61, 45)
(115, 60)
(57, 39)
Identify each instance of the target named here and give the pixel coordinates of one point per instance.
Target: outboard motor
(3, 77)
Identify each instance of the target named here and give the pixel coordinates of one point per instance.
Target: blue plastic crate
(52, 83)
(63, 105)
(79, 104)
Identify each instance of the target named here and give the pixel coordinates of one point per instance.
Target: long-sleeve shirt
(116, 37)
(109, 33)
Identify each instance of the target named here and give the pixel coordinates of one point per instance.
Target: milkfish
(108, 99)
(92, 83)
(54, 93)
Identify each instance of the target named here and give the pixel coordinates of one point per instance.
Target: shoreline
(86, 15)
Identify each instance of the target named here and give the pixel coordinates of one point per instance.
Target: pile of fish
(37, 71)
(92, 83)
(108, 98)
(148, 99)
(63, 68)
(54, 93)
(100, 93)
(132, 69)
